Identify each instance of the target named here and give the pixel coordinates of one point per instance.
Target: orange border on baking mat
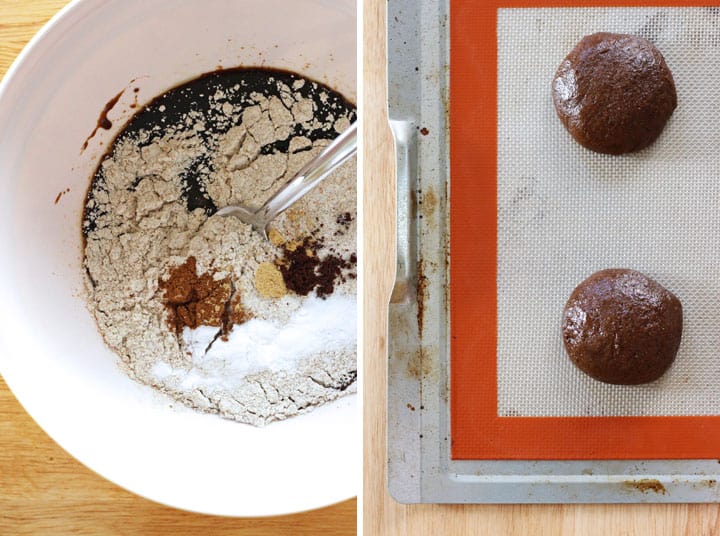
(477, 431)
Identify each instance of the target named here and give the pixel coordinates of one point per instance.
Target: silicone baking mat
(533, 214)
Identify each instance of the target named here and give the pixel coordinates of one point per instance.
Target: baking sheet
(420, 468)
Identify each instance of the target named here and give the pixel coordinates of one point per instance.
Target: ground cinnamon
(194, 300)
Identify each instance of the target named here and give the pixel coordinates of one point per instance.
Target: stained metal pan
(420, 468)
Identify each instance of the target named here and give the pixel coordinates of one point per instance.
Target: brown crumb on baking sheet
(645, 485)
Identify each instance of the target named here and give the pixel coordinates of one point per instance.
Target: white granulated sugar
(263, 347)
(150, 208)
(259, 344)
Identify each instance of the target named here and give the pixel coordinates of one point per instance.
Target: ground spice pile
(304, 271)
(269, 281)
(194, 300)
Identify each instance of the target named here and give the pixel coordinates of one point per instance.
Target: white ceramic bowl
(51, 354)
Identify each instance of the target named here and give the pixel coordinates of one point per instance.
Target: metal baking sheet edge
(418, 449)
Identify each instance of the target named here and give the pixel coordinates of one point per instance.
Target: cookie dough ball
(620, 326)
(614, 93)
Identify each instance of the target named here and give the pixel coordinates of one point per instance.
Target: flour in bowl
(200, 306)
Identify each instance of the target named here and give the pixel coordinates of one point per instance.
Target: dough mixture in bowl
(200, 306)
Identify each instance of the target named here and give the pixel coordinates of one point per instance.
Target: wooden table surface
(43, 490)
(381, 514)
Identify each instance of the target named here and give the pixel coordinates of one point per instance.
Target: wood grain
(381, 514)
(44, 491)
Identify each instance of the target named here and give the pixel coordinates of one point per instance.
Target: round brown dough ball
(614, 93)
(620, 326)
